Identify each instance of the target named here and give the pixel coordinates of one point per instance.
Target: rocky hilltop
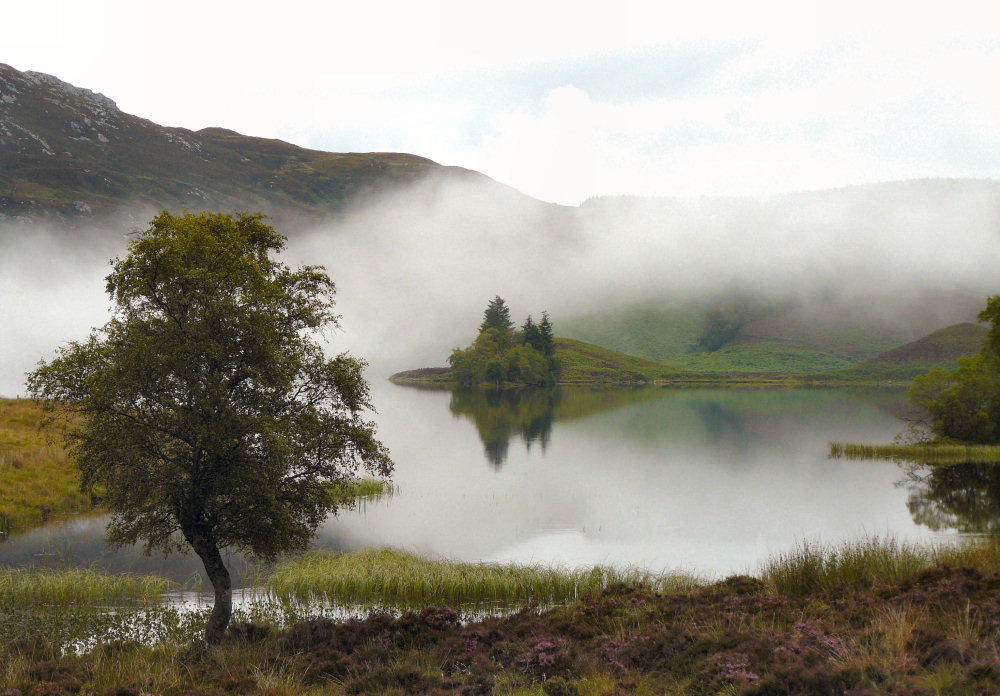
(69, 154)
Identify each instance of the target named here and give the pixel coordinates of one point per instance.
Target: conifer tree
(497, 316)
(548, 346)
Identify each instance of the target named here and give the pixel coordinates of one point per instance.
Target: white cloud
(723, 96)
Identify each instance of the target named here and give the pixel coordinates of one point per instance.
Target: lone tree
(205, 408)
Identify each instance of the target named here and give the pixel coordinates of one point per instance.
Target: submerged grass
(388, 577)
(923, 453)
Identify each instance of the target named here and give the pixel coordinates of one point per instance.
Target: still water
(710, 481)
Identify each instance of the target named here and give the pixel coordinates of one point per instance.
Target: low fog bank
(414, 269)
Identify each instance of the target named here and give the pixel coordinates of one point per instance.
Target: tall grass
(28, 587)
(815, 567)
(923, 453)
(368, 488)
(392, 577)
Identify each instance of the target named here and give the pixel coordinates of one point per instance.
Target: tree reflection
(500, 415)
(963, 497)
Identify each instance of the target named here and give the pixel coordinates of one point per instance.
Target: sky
(561, 100)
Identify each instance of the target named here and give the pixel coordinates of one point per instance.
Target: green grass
(21, 588)
(368, 488)
(588, 363)
(924, 453)
(813, 567)
(388, 577)
(37, 480)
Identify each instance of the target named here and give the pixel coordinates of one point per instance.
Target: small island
(503, 356)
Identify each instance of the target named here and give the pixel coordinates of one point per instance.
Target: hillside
(70, 154)
(940, 349)
(802, 336)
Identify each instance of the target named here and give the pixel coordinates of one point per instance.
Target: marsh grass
(27, 587)
(388, 577)
(921, 453)
(815, 567)
(368, 488)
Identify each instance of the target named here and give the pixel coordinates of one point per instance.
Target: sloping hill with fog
(70, 154)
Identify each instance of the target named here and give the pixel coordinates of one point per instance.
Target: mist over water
(415, 268)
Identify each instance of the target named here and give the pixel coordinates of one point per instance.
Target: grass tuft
(388, 577)
(29, 587)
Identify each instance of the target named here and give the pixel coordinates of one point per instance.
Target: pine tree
(531, 335)
(548, 345)
(497, 316)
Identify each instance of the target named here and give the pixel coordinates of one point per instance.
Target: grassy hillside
(940, 349)
(37, 479)
(70, 154)
(585, 362)
(804, 337)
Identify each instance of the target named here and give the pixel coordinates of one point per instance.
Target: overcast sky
(562, 100)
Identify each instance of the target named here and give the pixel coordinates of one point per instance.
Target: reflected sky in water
(710, 481)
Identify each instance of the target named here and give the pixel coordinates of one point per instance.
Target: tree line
(503, 355)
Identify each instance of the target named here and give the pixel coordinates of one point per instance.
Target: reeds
(815, 567)
(388, 577)
(28, 587)
(367, 488)
(921, 453)
(812, 567)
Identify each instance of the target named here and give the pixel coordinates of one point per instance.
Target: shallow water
(709, 481)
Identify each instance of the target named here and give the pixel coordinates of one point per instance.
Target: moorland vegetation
(874, 617)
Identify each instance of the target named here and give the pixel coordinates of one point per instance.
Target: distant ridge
(70, 154)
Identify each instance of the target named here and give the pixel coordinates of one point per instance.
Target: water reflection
(960, 497)
(710, 481)
(500, 415)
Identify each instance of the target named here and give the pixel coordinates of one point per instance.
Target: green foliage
(501, 356)
(205, 407)
(965, 404)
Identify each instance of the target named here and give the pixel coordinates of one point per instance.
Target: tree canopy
(502, 355)
(965, 404)
(205, 408)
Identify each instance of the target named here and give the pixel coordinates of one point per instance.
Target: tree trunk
(218, 574)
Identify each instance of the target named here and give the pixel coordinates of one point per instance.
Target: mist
(415, 268)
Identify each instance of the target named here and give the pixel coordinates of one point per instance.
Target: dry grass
(37, 480)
